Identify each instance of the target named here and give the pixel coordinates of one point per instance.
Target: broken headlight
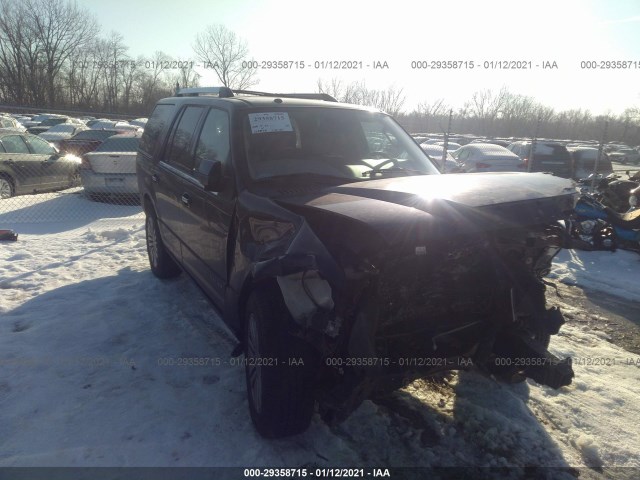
(265, 231)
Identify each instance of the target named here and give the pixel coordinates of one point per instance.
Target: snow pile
(615, 272)
(93, 373)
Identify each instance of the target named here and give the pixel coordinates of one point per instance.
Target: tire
(162, 265)
(6, 187)
(281, 399)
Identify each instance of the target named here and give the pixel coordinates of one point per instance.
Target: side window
(178, 153)
(213, 144)
(160, 117)
(40, 147)
(15, 144)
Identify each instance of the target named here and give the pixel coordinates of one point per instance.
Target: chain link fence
(67, 171)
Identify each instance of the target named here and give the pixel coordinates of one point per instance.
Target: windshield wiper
(393, 170)
(307, 176)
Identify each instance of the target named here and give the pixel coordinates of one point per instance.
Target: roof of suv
(276, 101)
(249, 99)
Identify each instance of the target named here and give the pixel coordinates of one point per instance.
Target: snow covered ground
(90, 341)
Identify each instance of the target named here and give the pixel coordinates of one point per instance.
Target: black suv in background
(344, 263)
(552, 157)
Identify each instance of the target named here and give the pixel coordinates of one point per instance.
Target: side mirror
(212, 181)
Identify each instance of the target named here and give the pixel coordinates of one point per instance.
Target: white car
(487, 157)
(111, 168)
(61, 132)
(11, 124)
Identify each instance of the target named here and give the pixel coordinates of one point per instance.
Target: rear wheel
(280, 368)
(162, 265)
(6, 188)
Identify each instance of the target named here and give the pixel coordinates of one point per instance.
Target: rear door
(173, 175)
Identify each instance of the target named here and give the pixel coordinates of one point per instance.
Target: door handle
(186, 200)
(155, 178)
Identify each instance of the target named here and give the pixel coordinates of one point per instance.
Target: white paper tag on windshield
(270, 122)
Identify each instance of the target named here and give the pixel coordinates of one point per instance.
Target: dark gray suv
(345, 264)
(544, 156)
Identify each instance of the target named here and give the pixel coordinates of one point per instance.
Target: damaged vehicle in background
(344, 263)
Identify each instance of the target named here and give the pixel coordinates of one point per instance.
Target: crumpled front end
(446, 306)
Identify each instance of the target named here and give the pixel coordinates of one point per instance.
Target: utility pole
(600, 151)
(446, 141)
(534, 141)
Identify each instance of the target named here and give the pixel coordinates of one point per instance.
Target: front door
(209, 214)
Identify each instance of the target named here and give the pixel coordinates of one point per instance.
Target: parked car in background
(487, 157)
(625, 155)
(451, 146)
(29, 164)
(584, 162)
(115, 125)
(22, 119)
(86, 141)
(502, 143)
(552, 157)
(41, 117)
(92, 122)
(139, 122)
(61, 132)
(46, 124)
(111, 168)
(435, 154)
(8, 123)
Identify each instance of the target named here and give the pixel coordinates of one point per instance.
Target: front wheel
(279, 368)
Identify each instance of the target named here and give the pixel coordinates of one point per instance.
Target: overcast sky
(398, 32)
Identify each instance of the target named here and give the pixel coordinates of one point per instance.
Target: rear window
(555, 151)
(159, 119)
(119, 145)
(63, 127)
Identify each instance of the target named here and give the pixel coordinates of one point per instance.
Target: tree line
(52, 55)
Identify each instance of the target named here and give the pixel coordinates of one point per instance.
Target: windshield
(330, 142)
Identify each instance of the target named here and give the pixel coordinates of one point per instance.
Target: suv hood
(438, 205)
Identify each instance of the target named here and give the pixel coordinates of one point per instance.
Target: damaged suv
(344, 263)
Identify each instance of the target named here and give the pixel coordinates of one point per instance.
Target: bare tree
(333, 87)
(61, 28)
(389, 100)
(187, 76)
(433, 109)
(221, 50)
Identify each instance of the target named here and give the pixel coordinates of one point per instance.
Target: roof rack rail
(309, 96)
(225, 92)
(222, 92)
